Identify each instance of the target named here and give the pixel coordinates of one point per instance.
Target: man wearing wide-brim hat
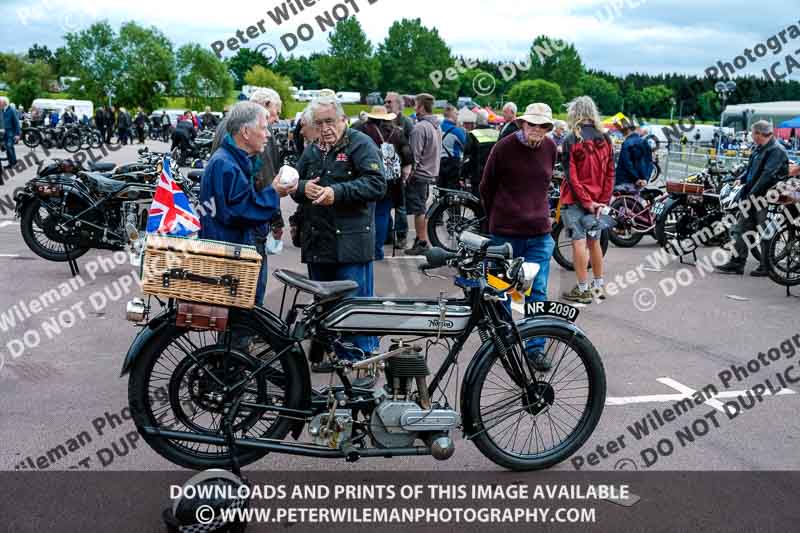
(514, 190)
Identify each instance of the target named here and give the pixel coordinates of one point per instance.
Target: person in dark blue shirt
(227, 183)
(635, 157)
(12, 131)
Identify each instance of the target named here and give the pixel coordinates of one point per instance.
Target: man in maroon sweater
(514, 192)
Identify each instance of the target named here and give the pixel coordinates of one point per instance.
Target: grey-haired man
(768, 163)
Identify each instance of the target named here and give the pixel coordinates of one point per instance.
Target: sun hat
(537, 114)
(379, 112)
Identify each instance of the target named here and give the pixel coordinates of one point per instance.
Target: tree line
(140, 66)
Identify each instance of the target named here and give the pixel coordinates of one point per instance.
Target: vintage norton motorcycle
(202, 402)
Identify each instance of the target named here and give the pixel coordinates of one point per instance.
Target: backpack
(391, 160)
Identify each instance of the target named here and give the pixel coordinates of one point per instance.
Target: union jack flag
(171, 213)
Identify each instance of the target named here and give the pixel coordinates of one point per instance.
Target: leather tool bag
(201, 316)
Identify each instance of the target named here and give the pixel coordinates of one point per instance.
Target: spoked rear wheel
(543, 421)
(448, 221)
(178, 384)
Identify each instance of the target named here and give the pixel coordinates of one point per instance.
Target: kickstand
(227, 427)
(73, 264)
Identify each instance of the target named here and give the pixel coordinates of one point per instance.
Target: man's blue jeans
(538, 250)
(11, 152)
(383, 209)
(362, 274)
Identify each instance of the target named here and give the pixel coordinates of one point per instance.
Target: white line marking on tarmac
(403, 257)
(685, 392)
(5, 223)
(9, 255)
(688, 391)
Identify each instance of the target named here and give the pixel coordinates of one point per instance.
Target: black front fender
(526, 328)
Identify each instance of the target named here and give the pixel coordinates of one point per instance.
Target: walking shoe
(760, 272)
(598, 293)
(419, 248)
(730, 268)
(539, 360)
(577, 295)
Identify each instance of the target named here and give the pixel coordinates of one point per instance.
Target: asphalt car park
(673, 352)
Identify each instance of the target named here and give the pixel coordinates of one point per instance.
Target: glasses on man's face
(325, 123)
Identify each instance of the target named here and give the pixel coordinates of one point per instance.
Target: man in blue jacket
(631, 165)
(10, 123)
(228, 182)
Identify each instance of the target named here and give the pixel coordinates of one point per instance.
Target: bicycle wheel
(626, 234)
(543, 420)
(783, 257)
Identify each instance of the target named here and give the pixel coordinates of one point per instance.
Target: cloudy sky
(620, 36)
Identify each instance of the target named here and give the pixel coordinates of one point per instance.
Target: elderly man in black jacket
(768, 163)
(341, 178)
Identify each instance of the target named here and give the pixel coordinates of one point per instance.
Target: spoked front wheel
(783, 257)
(542, 419)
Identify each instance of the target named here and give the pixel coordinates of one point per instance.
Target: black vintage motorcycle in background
(201, 403)
(66, 210)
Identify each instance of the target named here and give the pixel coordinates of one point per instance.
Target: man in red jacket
(588, 162)
(513, 189)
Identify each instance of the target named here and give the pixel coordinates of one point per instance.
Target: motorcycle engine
(404, 411)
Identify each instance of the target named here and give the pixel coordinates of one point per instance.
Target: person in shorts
(426, 145)
(588, 161)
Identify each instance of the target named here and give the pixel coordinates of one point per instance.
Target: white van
(82, 107)
(348, 97)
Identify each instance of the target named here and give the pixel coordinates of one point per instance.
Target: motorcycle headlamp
(526, 276)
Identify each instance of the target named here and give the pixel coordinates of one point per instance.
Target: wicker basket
(684, 187)
(199, 270)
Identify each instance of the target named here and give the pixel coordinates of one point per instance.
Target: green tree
(408, 56)
(478, 84)
(303, 71)
(557, 61)
(349, 65)
(655, 101)
(242, 62)
(264, 77)
(40, 53)
(93, 56)
(709, 106)
(146, 64)
(605, 94)
(531, 91)
(202, 77)
(30, 83)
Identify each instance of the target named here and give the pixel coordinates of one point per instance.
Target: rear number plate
(554, 309)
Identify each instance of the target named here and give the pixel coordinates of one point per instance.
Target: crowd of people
(351, 179)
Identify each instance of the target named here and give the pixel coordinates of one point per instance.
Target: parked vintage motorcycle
(201, 402)
(691, 213)
(783, 244)
(197, 150)
(66, 210)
